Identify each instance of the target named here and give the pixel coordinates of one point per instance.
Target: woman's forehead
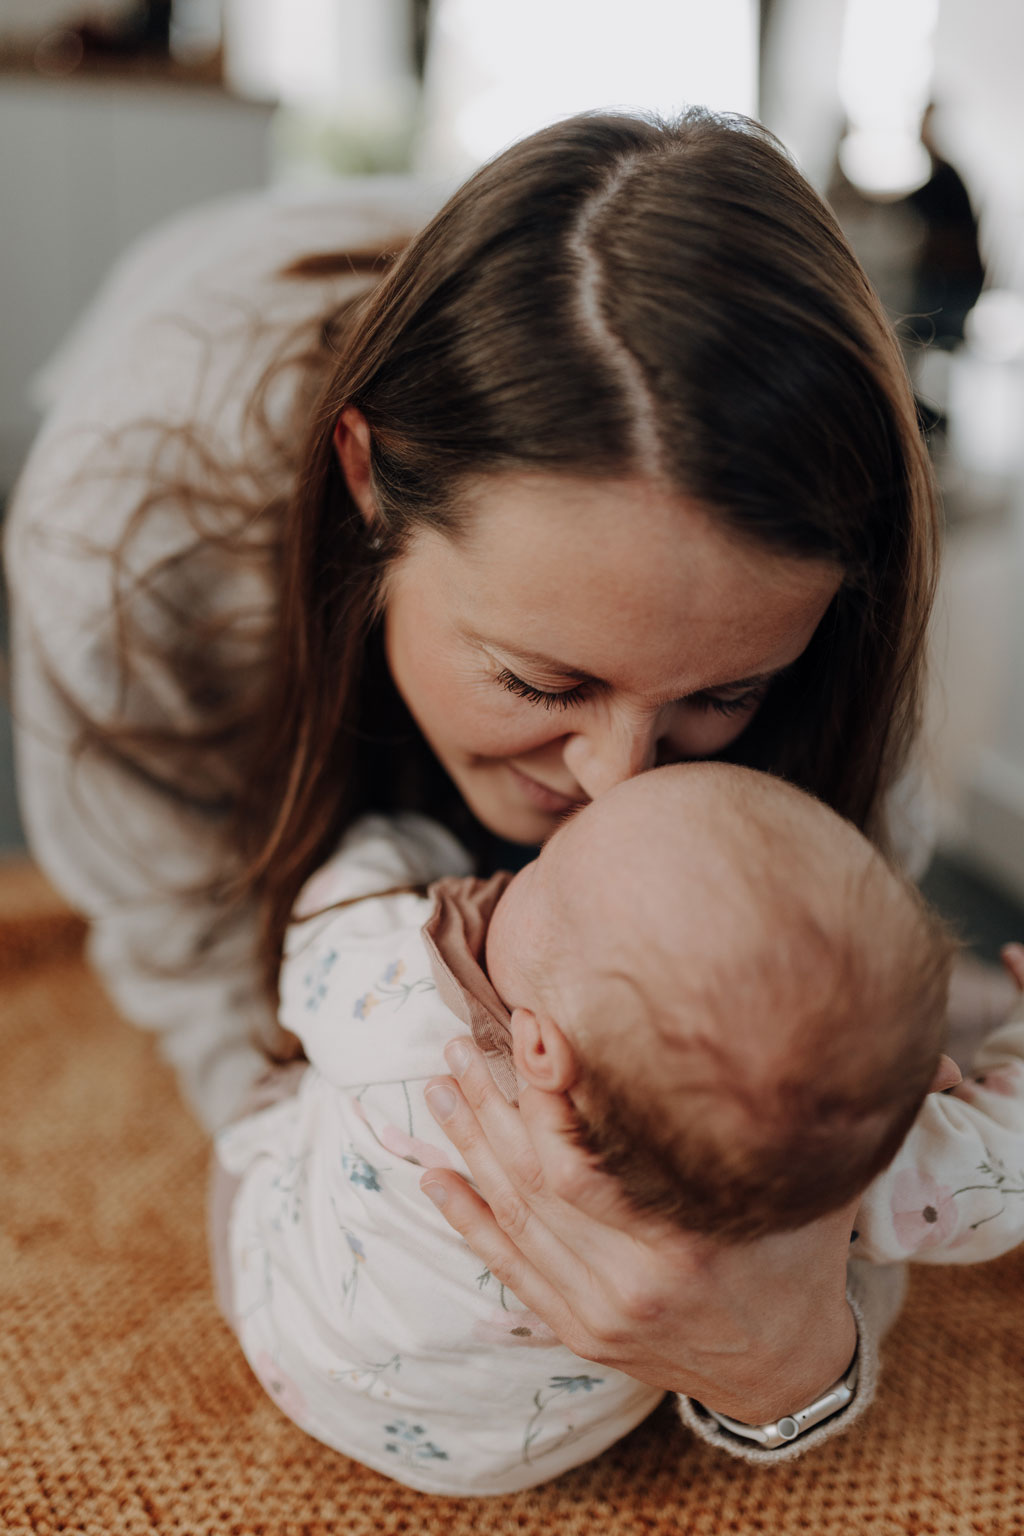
(621, 581)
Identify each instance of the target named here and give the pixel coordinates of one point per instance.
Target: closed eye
(564, 699)
(722, 704)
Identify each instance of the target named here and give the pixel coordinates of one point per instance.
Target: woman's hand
(753, 1331)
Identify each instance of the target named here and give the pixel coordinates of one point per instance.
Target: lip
(545, 799)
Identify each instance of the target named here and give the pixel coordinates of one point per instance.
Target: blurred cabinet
(85, 167)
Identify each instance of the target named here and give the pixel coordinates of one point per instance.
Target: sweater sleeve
(129, 843)
(153, 390)
(127, 851)
(875, 1294)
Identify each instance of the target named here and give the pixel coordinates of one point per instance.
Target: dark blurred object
(948, 273)
(985, 916)
(420, 19)
(145, 29)
(919, 248)
(135, 41)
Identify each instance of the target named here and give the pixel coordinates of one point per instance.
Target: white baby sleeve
(954, 1193)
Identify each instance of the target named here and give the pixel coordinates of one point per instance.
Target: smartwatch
(792, 1425)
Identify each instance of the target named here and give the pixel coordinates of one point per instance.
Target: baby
(745, 1007)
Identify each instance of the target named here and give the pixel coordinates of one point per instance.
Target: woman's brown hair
(613, 296)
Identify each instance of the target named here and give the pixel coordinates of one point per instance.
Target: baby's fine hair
(857, 966)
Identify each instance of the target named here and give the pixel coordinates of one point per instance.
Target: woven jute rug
(126, 1407)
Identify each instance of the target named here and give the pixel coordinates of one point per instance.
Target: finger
(470, 1216)
(492, 1136)
(595, 1249)
(568, 1249)
(469, 1066)
(1013, 959)
(460, 1123)
(534, 1146)
(531, 1153)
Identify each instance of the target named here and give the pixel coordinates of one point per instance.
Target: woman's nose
(603, 756)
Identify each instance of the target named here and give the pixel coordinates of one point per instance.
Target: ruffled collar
(455, 934)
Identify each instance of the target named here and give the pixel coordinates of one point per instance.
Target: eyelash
(563, 700)
(735, 706)
(570, 696)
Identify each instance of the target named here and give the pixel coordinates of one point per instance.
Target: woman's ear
(352, 446)
(544, 1057)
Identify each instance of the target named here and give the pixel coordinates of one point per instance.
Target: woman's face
(582, 631)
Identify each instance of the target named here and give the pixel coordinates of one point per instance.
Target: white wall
(976, 714)
(85, 167)
(979, 80)
(799, 82)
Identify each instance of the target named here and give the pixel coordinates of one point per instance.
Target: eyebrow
(538, 659)
(581, 675)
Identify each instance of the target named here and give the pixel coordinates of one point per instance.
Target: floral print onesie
(368, 1320)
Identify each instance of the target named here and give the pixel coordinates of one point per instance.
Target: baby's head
(744, 1003)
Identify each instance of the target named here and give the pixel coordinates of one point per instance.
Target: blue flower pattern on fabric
(408, 1444)
(357, 1254)
(360, 1171)
(316, 978)
(290, 1183)
(557, 1387)
(389, 987)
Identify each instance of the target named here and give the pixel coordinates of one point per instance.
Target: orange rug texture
(127, 1409)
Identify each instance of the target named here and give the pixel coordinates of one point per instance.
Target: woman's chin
(513, 806)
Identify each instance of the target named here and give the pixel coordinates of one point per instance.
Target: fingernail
(435, 1192)
(457, 1055)
(441, 1102)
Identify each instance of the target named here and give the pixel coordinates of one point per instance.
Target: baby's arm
(280, 1248)
(954, 1194)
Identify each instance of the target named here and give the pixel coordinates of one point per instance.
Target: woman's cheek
(493, 723)
(460, 711)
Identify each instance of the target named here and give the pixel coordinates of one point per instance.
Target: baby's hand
(1013, 959)
(947, 1075)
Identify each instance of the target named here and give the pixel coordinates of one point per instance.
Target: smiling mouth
(543, 798)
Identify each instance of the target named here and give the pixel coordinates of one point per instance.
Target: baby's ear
(544, 1057)
(947, 1075)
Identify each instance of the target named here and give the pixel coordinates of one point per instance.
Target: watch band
(792, 1425)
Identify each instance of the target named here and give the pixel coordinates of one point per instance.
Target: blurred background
(906, 114)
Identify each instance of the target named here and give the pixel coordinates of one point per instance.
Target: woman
(616, 464)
